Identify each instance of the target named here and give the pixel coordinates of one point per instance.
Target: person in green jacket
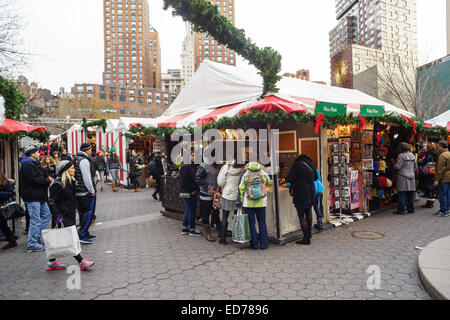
(252, 189)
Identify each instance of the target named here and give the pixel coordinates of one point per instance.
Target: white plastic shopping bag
(61, 242)
(241, 228)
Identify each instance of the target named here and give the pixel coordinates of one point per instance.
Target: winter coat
(65, 157)
(7, 192)
(100, 164)
(134, 171)
(51, 171)
(155, 168)
(206, 177)
(228, 180)
(407, 168)
(187, 179)
(113, 164)
(33, 181)
(428, 179)
(62, 202)
(246, 202)
(443, 167)
(302, 175)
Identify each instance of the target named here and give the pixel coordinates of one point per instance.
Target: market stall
(225, 97)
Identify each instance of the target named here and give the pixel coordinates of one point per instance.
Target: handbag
(61, 242)
(217, 202)
(241, 228)
(13, 211)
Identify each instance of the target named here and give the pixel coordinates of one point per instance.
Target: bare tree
(11, 53)
(398, 82)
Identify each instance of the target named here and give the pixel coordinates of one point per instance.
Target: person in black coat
(6, 193)
(65, 156)
(33, 188)
(189, 192)
(63, 204)
(155, 169)
(135, 171)
(301, 180)
(50, 167)
(427, 180)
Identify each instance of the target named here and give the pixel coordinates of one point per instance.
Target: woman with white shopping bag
(62, 203)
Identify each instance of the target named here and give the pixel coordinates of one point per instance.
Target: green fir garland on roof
(97, 123)
(205, 17)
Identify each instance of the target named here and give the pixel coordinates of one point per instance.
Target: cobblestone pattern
(153, 260)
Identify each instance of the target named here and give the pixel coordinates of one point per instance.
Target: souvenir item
(335, 148)
(336, 181)
(367, 164)
(367, 151)
(366, 137)
(335, 159)
(337, 205)
(335, 170)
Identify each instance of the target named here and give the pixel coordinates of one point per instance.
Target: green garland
(13, 99)
(256, 117)
(205, 17)
(97, 123)
(43, 136)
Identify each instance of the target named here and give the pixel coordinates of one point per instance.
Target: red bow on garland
(410, 121)
(363, 123)
(319, 122)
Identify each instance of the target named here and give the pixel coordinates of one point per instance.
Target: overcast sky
(67, 36)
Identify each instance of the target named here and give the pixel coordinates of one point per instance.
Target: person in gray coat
(406, 179)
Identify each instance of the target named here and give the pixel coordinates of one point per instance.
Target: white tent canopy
(441, 120)
(216, 85)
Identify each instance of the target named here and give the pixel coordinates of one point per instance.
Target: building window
(80, 88)
(112, 97)
(123, 98)
(123, 91)
(158, 102)
(149, 101)
(141, 93)
(141, 100)
(103, 96)
(131, 99)
(149, 94)
(102, 89)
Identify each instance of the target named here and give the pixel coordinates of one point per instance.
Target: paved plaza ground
(140, 254)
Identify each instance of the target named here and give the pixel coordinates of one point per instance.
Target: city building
(155, 50)
(187, 54)
(372, 36)
(172, 81)
(433, 87)
(128, 56)
(302, 74)
(125, 100)
(39, 101)
(205, 47)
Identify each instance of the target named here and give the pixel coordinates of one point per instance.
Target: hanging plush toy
(381, 165)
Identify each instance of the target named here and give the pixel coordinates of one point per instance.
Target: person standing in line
(65, 156)
(100, 167)
(113, 167)
(136, 164)
(406, 179)
(55, 156)
(252, 190)
(427, 179)
(206, 179)
(442, 179)
(6, 194)
(33, 188)
(155, 169)
(228, 180)
(62, 203)
(85, 192)
(50, 167)
(53, 147)
(189, 192)
(301, 179)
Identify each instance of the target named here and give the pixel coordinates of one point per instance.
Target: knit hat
(443, 144)
(63, 166)
(112, 150)
(85, 146)
(31, 150)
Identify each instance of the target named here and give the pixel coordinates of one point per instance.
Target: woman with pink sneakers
(62, 203)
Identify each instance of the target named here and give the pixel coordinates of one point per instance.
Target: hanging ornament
(319, 122)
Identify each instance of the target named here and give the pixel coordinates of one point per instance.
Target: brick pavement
(150, 259)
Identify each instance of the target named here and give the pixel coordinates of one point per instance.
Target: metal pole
(275, 180)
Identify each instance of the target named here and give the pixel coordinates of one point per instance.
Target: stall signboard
(330, 109)
(372, 111)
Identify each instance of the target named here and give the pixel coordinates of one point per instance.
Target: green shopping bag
(241, 228)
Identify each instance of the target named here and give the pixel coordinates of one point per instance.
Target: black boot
(303, 241)
(11, 243)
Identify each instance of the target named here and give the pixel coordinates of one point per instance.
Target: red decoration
(378, 137)
(410, 121)
(141, 134)
(363, 122)
(319, 122)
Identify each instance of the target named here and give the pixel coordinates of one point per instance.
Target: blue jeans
(318, 206)
(408, 197)
(40, 216)
(444, 196)
(260, 214)
(189, 216)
